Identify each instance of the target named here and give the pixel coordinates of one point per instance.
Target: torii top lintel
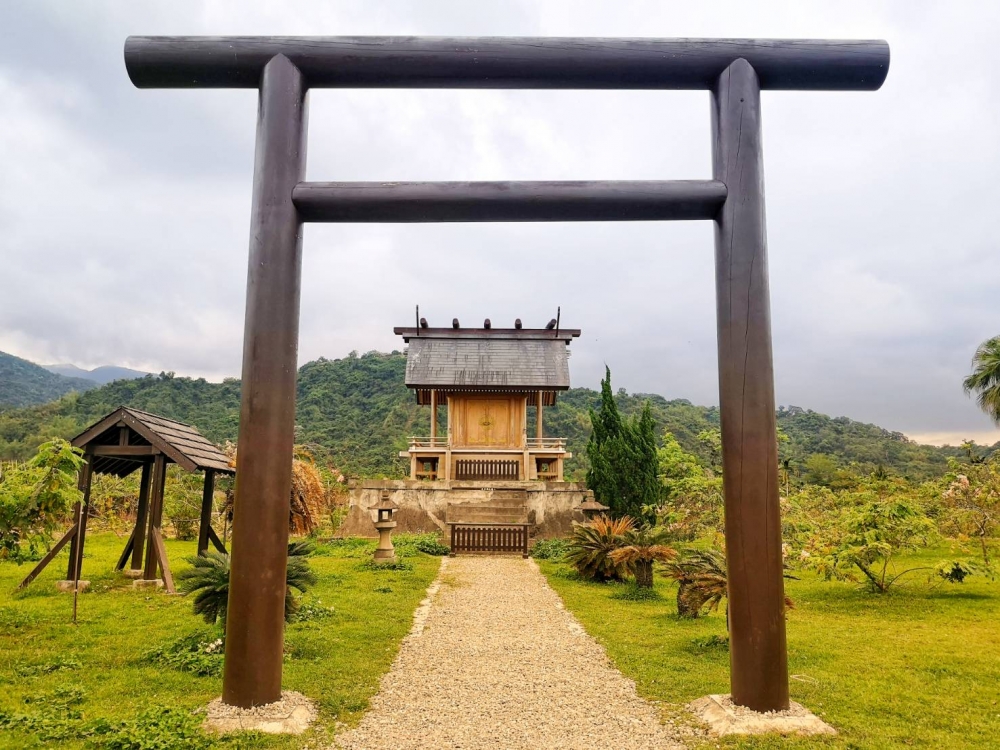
(506, 62)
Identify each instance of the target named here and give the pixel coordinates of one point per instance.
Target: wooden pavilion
(129, 440)
(487, 378)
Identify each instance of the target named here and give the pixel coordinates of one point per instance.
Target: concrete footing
(146, 583)
(132, 573)
(68, 586)
(724, 717)
(291, 714)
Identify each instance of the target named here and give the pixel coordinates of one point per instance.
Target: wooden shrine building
(129, 440)
(485, 462)
(486, 379)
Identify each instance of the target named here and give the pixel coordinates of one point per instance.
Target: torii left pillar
(256, 620)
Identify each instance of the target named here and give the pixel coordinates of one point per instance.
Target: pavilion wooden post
(538, 417)
(746, 396)
(256, 620)
(139, 535)
(434, 414)
(159, 480)
(207, 497)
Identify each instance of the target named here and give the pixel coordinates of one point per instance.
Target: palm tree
(644, 546)
(985, 378)
(208, 579)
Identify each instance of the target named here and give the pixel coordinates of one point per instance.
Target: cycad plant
(985, 378)
(208, 579)
(644, 546)
(591, 546)
(701, 581)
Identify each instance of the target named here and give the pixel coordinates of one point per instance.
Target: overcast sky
(124, 214)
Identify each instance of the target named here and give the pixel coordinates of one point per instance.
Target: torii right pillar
(758, 657)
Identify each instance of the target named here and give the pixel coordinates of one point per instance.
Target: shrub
(378, 567)
(633, 592)
(429, 544)
(701, 581)
(591, 546)
(549, 549)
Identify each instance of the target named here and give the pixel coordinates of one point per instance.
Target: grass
(916, 668)
(336, 658)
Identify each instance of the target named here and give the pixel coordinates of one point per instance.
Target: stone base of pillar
(132, 573)
(68, 586)
(724, 718)
(146, 583)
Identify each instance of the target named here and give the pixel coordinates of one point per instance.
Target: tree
(36, 496)
(973, 502)
(692, 493)
(622, 457)
(985, 378)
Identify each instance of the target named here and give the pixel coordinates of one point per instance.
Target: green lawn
(336, 660)
(919, 667)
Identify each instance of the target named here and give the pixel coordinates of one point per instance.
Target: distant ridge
(23, 383)
(99, 375)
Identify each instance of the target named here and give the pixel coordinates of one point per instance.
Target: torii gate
(285, 68)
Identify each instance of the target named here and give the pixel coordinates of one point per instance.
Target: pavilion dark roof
(179, 443)
(487, 359)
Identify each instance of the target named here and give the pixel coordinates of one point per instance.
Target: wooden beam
(81, 512)
(746, 400)
(207, 500)
(123, 450)
(645, 200)
(126, 552)
(255, 624)
(141, 512)
(50, 555)
(214, 538)
(156, 543)
(505, 62)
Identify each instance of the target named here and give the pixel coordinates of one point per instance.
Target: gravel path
(499, 663)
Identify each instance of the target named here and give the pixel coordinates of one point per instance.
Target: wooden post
(256, 621)
(746, 395)
(138, 540)
(538, 418)
(434, 415)
(80, 512)
(207, 497)
(155, 514)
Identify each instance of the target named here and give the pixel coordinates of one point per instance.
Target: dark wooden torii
(283, 69)
(124, 441)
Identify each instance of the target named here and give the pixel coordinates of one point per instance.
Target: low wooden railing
(546, 443)
(487, 469)
(429, 442)
(498, 538)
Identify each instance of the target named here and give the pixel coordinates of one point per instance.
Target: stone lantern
(384, 522)
(591, 508)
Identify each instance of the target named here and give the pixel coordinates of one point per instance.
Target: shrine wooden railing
(486, 468)
(546, 443)
(499, 538)
(428, 442)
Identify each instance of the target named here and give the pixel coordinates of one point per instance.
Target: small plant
(208, 579)
(379, 567)
(711, 643)
(591, 546)
(549, 549)
(382, 589)
(201, 653)
(954, 571)
(58, 664)
(633, 592)
(311, 609)
(429, 544)
(644, 546)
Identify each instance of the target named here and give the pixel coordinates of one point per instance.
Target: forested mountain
(23, 383)
(99, 375)
(357, 411)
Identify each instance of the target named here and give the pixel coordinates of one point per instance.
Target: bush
(549, 549)
(591, 546)
(379, 567)
(429, 544)
(633, 592)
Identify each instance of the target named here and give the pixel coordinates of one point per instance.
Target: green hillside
(357, 411)
(23, 383)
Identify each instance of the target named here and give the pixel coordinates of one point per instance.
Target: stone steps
(503, 506)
